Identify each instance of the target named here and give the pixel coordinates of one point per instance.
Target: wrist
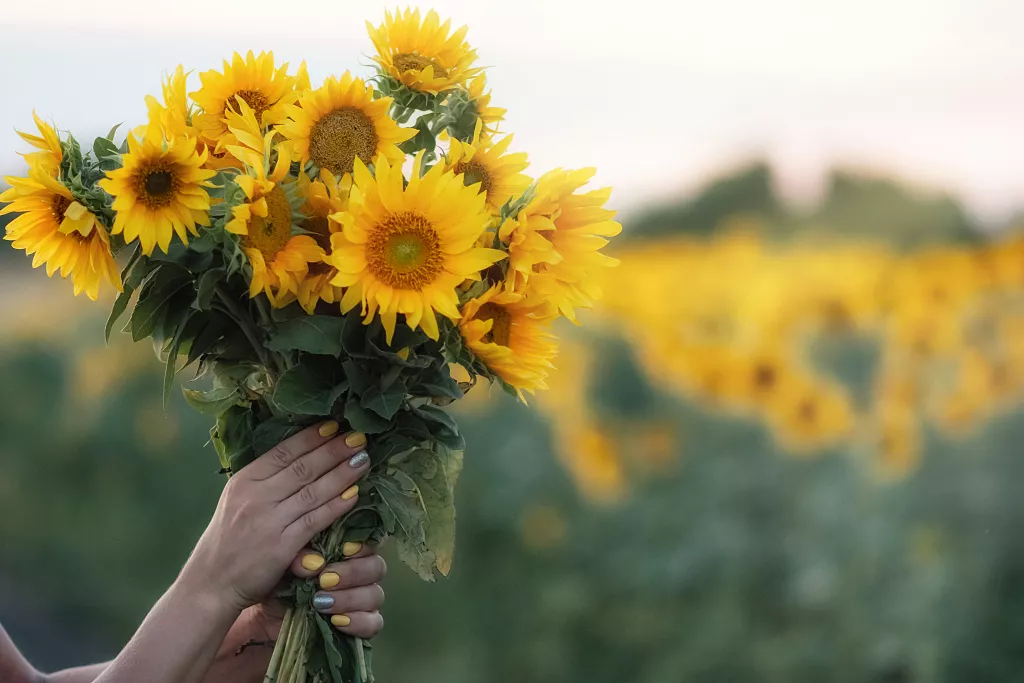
(206, 598)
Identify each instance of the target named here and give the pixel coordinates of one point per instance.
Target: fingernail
(312, 562)
(329, 428)
(351, 548)
(322, 601)
(355, 439)
(359, 459)
(350, 493)
(340, 620)
(329, 580)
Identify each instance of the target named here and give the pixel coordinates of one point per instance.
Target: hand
(271, 509)
(350, 594)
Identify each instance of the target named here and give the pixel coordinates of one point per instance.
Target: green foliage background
(738, 564)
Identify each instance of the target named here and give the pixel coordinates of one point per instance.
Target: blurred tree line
(725, 560)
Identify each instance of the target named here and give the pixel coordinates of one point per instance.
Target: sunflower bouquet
(328, 253)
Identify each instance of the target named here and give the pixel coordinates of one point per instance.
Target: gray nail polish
(359, 459)
(322, 601)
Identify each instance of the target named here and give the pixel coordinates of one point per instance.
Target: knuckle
(279, 457)
(301, 470)
(308, 521)
(307, 494)
(380, 594)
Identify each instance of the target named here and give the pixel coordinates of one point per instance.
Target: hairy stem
(279, 647)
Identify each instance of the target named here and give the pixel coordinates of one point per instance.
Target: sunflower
(324, 198)
(58, 230)
(48, 159)
(173, 117)
(485, 163)
(253, 79)
(511, 336)
(421, 54)
(159, 191)
(554, 241)
(340, 122)
(488, 115)
(264, 220)
(406, 249)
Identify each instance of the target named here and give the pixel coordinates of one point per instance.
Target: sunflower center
(58, 205)
(270, 235)
(475, 172)
(155, 185)
(319, 229)
(339, 137)
(410, 61)
(256, 100)
(765, 376)
(403, 251)
(501, 323)
(808, 411)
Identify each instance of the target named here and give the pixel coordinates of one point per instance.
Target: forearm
(80, 674)
(176, 643)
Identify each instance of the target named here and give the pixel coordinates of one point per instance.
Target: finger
(282, 455)
(307, 564)
(359, 624)
(363, 571)
(340, 481)
(361, 599)
(313, 465)
(302, 530)
(367, 549)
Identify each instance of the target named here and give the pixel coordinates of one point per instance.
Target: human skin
(214, 622)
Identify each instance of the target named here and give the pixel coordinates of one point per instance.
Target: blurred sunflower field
(785, 448)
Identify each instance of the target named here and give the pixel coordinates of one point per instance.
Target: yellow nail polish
(312, 562)
(350, 493)
(329, 580)
(355, 440)
(341, 620)
(351, 548)
(329, 428)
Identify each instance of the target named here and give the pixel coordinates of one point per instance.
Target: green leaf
(272, 432)
(353, 336)
(310, 388)
(206, 288)
(385, 404)
(334, 659)
(405, 517)
(171, 365)
(215, 401)
(113, 132)
(233, 437)
(363, 420)
(319, 334)
(434, 474)
(103, 148)
(155, 295)
(116, 311)
(358, 378)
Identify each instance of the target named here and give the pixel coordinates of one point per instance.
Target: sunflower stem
(244, 322)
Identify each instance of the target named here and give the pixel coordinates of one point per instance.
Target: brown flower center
(58, 205)
(808, 411)
(319, 229)
(256, 100)
(410, 61)
(501, 323)
(403, 251)
(474, 172)
(339, 137)
(765, 376)
(156, 184)
(270, 235)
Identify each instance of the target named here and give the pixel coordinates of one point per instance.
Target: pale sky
(657, 95)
